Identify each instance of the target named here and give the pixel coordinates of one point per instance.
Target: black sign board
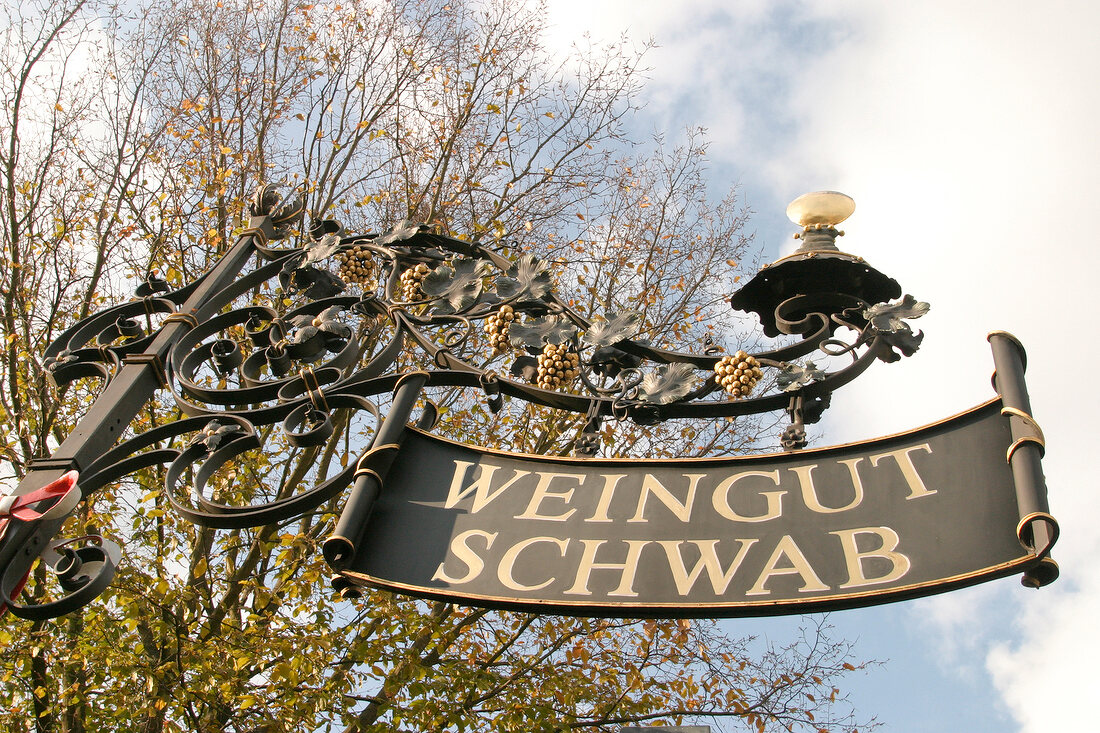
(896, 517)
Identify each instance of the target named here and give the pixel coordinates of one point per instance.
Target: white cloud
(1047, 679)
(966, 134)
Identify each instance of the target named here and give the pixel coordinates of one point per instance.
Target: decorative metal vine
(349, 318)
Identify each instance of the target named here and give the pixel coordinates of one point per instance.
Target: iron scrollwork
(288, 342)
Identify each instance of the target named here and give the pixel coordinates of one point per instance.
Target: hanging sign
(891, 518)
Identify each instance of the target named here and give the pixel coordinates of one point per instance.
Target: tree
(134, 136)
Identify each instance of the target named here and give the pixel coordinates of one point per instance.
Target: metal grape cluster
(496, 327)
(412, 281)
(558, 366)
(357, 266)
(738, 374)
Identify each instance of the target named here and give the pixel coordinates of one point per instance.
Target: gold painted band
(313, 387)
(1028, 439)
(187, 318)
(152, 360)
(1037, 437)
(367, 472)
(360, 465)
(1025, 526)
(256, 232)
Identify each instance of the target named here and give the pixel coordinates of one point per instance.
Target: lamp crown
(820, 209)
(818, 213)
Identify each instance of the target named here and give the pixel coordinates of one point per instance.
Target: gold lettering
(481, 488)
(682, 510)
(708, 560)
(721, 498)
(799, 565)
(917, 488)
(542, 491)
(629, 568)
(854, 557)
(809, 492)
(610, 481)
(460, 546)
(508, 561)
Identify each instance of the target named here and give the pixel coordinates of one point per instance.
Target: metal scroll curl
(223, 440)
(84, 568)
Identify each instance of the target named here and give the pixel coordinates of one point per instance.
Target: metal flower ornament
(290, 343)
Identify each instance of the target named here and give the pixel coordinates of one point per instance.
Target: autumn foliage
(132, 136)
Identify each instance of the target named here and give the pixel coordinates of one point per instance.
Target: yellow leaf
(226, 150)
(58, 107)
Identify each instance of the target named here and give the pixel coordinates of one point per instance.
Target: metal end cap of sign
(1044, 573)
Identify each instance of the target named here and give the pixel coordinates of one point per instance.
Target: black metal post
(123, 397)
(339, 548)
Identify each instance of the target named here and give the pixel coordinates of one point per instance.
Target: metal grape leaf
(401, 231)
(458, 284)
(529, 278)
(217, 432)
(667, 384)
(526, 368)
(609, 361)
(313, 283)
(321, 249)
(537, 332)
(794, 377)
(887, 317)
(65, 356)
(616, 327)
(336, 332)
(284, 210)
(303, 334)
(886, 320)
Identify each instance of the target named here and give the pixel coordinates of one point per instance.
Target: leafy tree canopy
(131, 138)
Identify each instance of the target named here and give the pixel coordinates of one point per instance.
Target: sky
(965, 130)
(966, 133)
